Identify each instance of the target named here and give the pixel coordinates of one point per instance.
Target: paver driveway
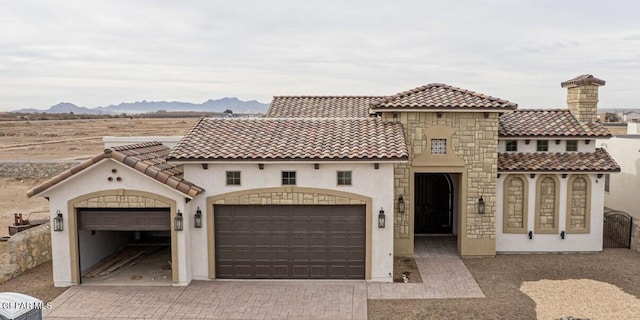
(217, 300)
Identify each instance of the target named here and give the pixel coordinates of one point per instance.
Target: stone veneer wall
(288, 198)
(547, 204)
(27, 249)
(579, 204)
(515, 203)
(583, 102)
(476, 141)
(121, 201)
(34, 169)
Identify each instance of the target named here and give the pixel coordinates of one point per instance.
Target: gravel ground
(500, 279)
(582, 299)
(36, 282)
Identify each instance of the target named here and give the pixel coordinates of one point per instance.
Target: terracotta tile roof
(548, 123)
(292, 139)
(148, 158)
(582, 79)
(438, 96)
(598, 161)
(320, 106)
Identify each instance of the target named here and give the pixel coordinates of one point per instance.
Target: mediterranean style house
(334, 186)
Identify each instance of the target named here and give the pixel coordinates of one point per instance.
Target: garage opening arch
(120, 198)
(289, 195)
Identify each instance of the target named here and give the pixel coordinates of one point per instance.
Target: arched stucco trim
(570, 204)
(525, 204)
(72, 219)
(556, 205)
(242, 197)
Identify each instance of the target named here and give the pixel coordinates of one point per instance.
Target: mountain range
(220, 105)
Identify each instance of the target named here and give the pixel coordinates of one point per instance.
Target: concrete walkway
(443, 273)
(216, 300)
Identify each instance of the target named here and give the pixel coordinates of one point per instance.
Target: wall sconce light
(197, 218)
(401, 206)
(381, 219)
(57, 222)
(562, 235)
(530, 235)
(481, 206)
(178, 222)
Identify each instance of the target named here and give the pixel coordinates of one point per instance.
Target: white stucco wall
(366, 181)
(93, 248)
(553, 147)
(624, 186)
(552, 242)
(92, 180)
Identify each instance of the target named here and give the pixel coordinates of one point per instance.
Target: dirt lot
(500, 279)
(72, 139)
(36, 282)
(63, 139)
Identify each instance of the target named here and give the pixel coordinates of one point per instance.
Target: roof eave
(444, 109)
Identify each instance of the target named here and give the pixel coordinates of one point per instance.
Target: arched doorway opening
(434, 204)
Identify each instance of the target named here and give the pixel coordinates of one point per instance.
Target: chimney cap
(582, 80)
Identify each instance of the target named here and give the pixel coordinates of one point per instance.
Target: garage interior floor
(151, 267)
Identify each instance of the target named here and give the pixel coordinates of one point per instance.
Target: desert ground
(63, 140)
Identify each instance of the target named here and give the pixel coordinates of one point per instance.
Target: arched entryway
(433, 205)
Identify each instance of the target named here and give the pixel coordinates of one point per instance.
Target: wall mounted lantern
(401, 206)
(197, 219)
(57, 222)
(178, 222)
(562, 235)
(481, 206)
(381, 219)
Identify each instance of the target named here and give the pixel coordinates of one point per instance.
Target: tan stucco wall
(475, 142)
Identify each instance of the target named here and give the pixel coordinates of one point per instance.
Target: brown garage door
(299, 242)
(124, 219)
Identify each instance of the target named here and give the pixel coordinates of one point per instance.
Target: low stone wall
(27, 249)
(34, 169)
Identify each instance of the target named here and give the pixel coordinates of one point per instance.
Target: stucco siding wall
(624, 186)
(94, 248)
(553, 147)
(366, 181)
(95, 179)
(510, 242)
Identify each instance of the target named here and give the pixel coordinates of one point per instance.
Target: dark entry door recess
(433, 204)
(124, 219)
(290, 242)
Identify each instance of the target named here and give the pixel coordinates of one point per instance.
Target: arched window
(547, 201)
(515, 198)
(578, 204)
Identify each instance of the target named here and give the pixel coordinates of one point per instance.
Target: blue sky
(96, 53)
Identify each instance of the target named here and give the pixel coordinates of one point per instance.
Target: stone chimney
(582, 96)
